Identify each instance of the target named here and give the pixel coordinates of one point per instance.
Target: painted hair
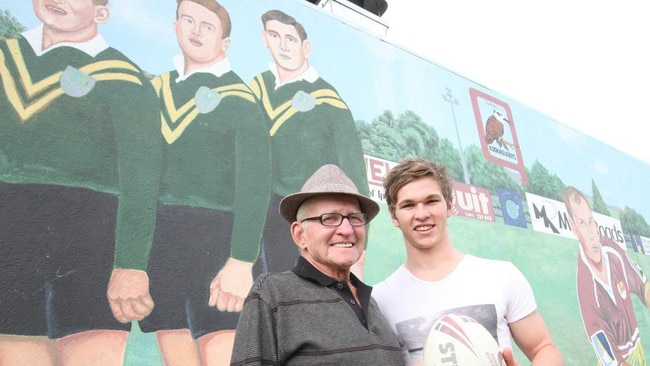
(572, 195)
(284, 18)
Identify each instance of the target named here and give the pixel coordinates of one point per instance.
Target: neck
(339, 274)
(601, 271)
(192, 65)
(433, 264)
(285, 75)
(53, 36)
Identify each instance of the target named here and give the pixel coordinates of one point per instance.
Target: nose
(283, 44)
(421, 211)
(345, 227)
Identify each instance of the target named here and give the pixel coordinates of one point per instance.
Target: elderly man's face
(331, 249)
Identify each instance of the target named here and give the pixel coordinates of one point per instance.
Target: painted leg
(178, 347)
(216, 348)
(96, 347)
(27, 351)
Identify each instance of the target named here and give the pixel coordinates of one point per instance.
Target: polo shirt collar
(307, 271)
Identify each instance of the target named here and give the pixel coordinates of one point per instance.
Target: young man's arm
(533, 337)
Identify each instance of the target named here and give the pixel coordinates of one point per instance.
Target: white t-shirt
(492, 292)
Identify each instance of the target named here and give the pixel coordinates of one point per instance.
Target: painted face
(70, 16)
(288, 51)
(586, 228)
(200, 34)
(331, 249)
(421, 212)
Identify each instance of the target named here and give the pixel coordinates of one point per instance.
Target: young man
(304, 114)
(79, 171)
(437, 279)
(319, 313)
(606, 280)
(214, 192)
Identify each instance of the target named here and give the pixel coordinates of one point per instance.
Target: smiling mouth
(342, 245)
(55, 10)
(424, 228)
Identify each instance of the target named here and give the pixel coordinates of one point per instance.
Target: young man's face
(331, 249)
(199, 33)
(66, 15)
(288, 50)
(421, 213)
(586, 229)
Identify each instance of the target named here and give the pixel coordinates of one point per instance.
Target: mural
(141, 169)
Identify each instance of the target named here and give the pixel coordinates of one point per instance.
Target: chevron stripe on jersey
(29, 97)
(281, 113)
(175, 118)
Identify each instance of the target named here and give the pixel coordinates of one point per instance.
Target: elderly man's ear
(296, 234)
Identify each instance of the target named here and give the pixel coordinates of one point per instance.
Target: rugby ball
(459, 340)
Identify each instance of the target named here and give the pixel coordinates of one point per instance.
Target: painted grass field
(549, 263)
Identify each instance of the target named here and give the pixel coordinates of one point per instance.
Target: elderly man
(318, 313)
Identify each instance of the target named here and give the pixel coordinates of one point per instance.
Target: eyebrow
(410, 200)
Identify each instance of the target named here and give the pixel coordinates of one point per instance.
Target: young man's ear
(101, 14)
(394, 219)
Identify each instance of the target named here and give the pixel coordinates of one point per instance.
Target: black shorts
(190, 246)
(56, 256)
(279, 252)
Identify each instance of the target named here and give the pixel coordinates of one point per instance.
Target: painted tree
(634, 223)
(598, 204)
(449, 156)
(486, 174)
(10, 27)
(543, 183)
(394, 139)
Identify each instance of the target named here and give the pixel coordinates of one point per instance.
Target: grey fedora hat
(328, 179)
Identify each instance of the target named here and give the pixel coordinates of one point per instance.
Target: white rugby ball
(459, 340)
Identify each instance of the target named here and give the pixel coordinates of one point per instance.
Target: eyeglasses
(336, 219)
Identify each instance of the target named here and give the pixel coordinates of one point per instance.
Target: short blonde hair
(412, 169)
